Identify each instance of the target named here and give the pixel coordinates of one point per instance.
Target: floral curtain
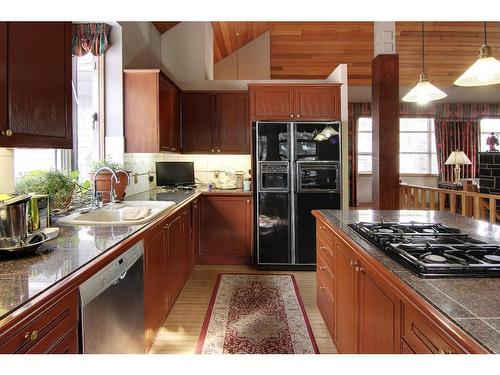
(90, 37)
(456, 135)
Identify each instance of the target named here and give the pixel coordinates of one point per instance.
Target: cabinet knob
(291, 116)
(213, 150)
(218, 150)
(7, 132)
(32, 336)
(322, 287)
(298, 116)
(248, 200)
(323, 268)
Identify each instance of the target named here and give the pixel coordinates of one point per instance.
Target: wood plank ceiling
(450, 48)
(164, 26)
(311, 50)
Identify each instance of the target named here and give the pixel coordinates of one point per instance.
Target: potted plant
(61, 187)
(103, 180)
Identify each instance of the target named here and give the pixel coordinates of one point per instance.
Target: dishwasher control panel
(110, 274)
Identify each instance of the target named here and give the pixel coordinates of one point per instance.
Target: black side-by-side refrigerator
(297, 168)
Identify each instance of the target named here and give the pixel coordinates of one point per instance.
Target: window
(489, 126)
(87, 128)
(364, 145)
(417, 146)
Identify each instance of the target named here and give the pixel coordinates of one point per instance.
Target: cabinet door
(317, 102)
(164, 113)
(226, 226)
(198, 122)
(175, 130)
(175, 242)
(345, 300)
(233, 128)
(38, 84)
(379, 316)
(155, 291)
(271, 102)
(4, 125)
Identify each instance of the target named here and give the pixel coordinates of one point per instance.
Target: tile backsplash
(204, 166)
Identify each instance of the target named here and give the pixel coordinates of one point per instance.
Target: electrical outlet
(136, 178)
(150, 176)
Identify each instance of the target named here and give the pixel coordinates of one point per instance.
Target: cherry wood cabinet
(215, 122)
(374, 312)
(226, 229)
(35, 84)
(53, 330)
(233, 128)
(169, 260)
(198, 123)
(195, 228)
(294, 102)
(151, 111)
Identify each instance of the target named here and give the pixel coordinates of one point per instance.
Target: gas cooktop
(433, 249)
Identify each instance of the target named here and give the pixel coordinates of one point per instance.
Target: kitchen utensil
(31, 244)
(14, 221)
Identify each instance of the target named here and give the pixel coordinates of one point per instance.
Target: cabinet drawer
(68, 344)
(41, 332)
(322, 231)
(324, 248)
(325, 302)
(325, 268)
(424, 337)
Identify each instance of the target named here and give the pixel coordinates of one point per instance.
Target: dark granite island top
(471, 303)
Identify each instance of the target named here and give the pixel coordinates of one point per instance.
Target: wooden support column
(385, 120)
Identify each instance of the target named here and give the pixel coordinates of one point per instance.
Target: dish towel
(135, 213)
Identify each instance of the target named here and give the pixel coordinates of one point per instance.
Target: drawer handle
(32, 336)
(321, 287)
(7, 132)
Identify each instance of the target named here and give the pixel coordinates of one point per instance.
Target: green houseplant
(62, 188)
(103, 180)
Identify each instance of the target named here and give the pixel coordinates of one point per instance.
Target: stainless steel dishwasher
(112, 306)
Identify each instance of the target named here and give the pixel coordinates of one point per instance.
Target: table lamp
(457, 158)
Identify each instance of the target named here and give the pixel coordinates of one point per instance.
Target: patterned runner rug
(256, 314)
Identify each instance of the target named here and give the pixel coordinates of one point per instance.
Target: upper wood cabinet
(35, 84)
(215, 122)
(294, 102)
(151, 111)
(198, 122)
(226, 229)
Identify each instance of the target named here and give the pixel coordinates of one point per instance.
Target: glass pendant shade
(485, 71)
(424, 92)
(326, 133)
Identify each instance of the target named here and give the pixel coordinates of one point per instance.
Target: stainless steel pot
(14, 222)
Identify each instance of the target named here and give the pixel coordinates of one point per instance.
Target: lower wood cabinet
(373, 313)
(168, 261)
(55, 330)
(226, 229)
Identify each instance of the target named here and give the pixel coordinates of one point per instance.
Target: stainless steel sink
(112, 215)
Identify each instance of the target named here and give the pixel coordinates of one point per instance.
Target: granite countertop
(471, 303)
(24, 277)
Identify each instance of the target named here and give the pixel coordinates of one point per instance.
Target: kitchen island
(31, 285)
(368, 292)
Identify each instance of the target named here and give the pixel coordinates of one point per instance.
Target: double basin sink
(113, 214)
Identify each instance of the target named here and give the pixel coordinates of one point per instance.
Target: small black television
(174, 173)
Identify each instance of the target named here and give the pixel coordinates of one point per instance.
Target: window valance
(90, 37)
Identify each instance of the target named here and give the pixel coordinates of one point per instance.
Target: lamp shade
(458, 157)
(485, 71)
(423, 92)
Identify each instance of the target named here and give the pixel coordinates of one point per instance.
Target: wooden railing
(467, 203)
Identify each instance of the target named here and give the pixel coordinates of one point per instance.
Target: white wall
(187, 51)
(365, 185)
(6, 170)
(252, 61)
(141, 45)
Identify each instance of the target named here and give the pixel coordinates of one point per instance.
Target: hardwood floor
(180, 331)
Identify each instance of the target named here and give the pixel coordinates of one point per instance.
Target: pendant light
(424, 91)
(485, 71)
